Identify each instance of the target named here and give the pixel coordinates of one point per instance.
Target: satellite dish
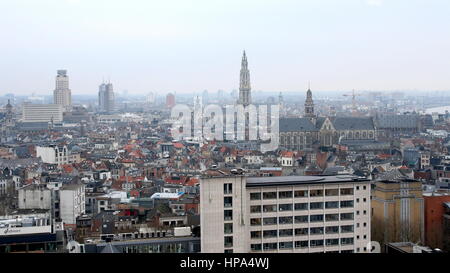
(73, 247)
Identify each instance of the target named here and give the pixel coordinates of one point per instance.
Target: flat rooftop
(262, 181)
(298, 180)
(154, 240)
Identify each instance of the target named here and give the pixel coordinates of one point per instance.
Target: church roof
(339, 123)
(398, 121)
(296, 125)
(353, 123)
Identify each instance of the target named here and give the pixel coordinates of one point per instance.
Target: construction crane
(353, 95)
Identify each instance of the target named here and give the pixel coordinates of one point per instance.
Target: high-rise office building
(106, 97)
(307, 214)
(245, 96)
(151, 98)
(170, 100)
(62, 94)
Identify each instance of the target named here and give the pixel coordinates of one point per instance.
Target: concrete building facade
(62, 94)
(35, 197)
(106, 98)
(42, 113)
(305, 214)
(398, 211)
(72, 202)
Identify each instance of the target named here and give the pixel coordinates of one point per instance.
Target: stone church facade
(303, 133)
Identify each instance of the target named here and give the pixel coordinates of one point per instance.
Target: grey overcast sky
(193, 45)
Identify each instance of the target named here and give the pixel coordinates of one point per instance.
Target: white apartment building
(304, 214)
(53, 154)
(72, 202)
(42, 113)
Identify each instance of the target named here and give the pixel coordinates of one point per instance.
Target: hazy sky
(192, 45)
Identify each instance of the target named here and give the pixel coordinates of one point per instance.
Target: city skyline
(353, 44)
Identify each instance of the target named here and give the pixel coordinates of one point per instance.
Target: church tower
(309, 105)
(245, 97)
(9, 115)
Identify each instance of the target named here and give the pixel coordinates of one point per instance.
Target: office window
(331, 217)
(347, 241)
(285, 245)
(228, 202)
(270, 246)
(301, 219)
(331, 192)
(301, 231)
(227, 188)
(315, 193)
(316, 218)
(255, 196)
(256, 247)
(298, 194)
(332, 242)
(270, 208)
(270, 221)
(285, 194)
(255, 234)
(228, 228)
(285, 232)
(285, 220)
(348, 228)
(301, 244)
(228, 241)
(255, 221)
(316, 205)
(332, 205)
(357, 200)
(364, 187)
(285, 207)
(332, 229)
(301, 206)
(228, 215)
(269, 195)
(316, 230)
(364, 199)
(347, 204)
(357, 188)
(316, 243)
(347, 216)
(270, 233)
(348, 191)
(255, 209)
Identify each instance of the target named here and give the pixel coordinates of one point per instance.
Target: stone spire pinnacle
(244, 86)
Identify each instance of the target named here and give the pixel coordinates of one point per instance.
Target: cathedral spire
(244, 86)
